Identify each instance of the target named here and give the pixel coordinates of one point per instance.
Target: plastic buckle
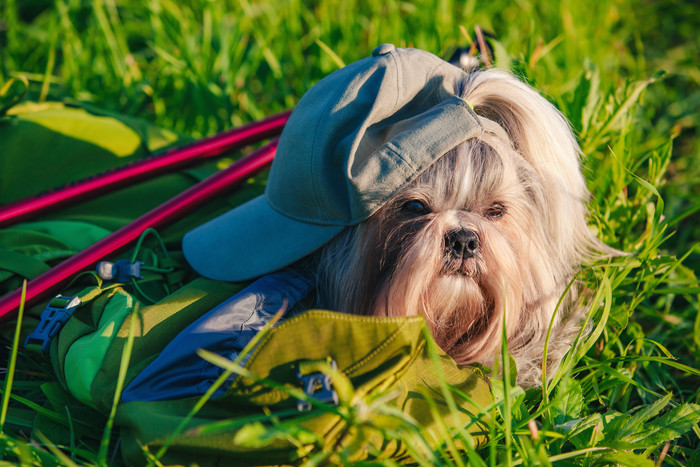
(119, 271)
(54, 316)
(319, 386)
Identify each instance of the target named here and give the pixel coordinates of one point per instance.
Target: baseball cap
(355, 139)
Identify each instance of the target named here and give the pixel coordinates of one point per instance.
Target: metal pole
(50, 282)
(169, 161)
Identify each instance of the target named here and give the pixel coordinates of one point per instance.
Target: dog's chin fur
(522, 194)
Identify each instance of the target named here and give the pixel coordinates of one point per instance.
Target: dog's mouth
(467, 267)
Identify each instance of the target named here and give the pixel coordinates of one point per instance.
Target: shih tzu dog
(410, 187)
(494, 230)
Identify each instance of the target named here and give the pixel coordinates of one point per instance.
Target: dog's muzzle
(462, 250)
(462, 244)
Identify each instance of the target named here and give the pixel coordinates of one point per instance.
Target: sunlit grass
(626, 394)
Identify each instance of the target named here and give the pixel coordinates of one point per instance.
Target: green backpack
(373, 359)
(335, 387)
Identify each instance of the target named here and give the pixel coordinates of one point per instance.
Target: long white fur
(394, 262)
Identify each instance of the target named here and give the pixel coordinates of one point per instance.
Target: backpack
(340, 362)
(318, 384)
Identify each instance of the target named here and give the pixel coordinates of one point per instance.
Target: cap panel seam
(399, 77)
(323, 118)
(390, 147)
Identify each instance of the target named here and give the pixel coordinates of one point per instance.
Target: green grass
(628, 393)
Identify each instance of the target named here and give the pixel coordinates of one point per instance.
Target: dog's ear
(543, 137)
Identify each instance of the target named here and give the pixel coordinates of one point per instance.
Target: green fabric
(87, 352)
(386, 354)
(157, 325)
(84, 321)
(75, 235)
(84, 358)
(44, 146)
(50, 144)
(42, 246)
(47, 145)
(377, 354)
(23, 265)
(26, 249)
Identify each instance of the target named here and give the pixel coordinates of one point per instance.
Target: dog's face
(494, 230)
(447, 245)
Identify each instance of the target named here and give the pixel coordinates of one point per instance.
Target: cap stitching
(399, 71)
(321, 120)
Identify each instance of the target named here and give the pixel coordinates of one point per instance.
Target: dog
(486, 227)
(494, 231)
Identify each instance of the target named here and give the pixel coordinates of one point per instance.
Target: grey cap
(354, 140)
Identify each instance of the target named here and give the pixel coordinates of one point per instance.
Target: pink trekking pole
(169, 161)
(48, 283)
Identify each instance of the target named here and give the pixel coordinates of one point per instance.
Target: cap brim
(251, 240)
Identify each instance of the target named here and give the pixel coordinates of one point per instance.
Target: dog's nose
(462, 243)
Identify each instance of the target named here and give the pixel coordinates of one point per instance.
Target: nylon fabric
(29, 249)
(157, 325)
(33, 243)
(386, 354)
(84, 358)
(84, 321)
(80, 143)
(23, 265)
(74, 235)
(59, 158)
(178, 371)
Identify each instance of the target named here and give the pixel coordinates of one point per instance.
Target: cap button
(383, 49)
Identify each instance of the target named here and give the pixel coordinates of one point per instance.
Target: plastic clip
(317, 385)
(119, 271)
(54, 316)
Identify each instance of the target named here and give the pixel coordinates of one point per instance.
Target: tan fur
(395, 263)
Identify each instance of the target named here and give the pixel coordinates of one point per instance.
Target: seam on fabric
(357, 365)
(320, 313)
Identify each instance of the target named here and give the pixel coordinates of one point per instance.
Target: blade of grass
(454, 458)
(604, 296)
(447, 393)
(565, 293)
(123, 367)
(221, 379)
(13, 359)
(65, 460)
(337, 60)
(505, 365)
(569, 455)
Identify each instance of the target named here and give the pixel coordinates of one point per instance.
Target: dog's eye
(495, 211)
(415, 207)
